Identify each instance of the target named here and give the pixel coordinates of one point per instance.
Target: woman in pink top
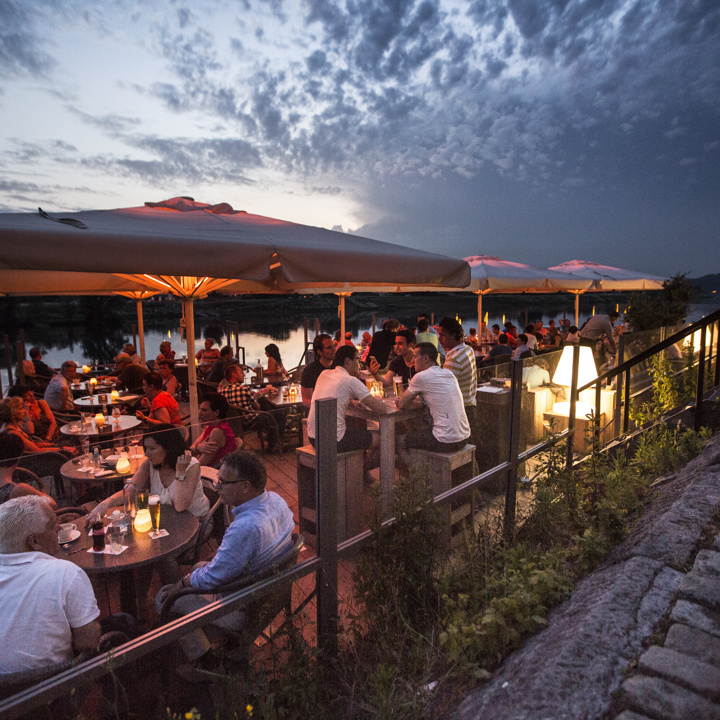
(217, 439)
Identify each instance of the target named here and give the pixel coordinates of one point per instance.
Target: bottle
(96, 457)
(104, 409)
(98, 535)
(259, 372)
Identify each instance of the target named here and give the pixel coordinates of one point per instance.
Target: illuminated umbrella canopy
(606, 278)
(190, 249)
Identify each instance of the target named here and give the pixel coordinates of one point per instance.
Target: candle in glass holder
(99, 420)
(93, 381)
(143, 523)
(86, 368)
(114, 395)
(123, 465)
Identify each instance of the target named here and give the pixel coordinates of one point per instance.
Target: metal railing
(325, 563)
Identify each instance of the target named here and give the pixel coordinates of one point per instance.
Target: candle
(86, 368)
(114, 396)
(99, 420)
(123, 466)
(93, 381)
(143, 523)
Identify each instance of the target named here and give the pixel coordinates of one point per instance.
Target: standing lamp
(587, 372)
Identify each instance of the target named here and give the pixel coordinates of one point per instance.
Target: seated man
(260, 531)
(47, 604)
(502, 349)
(523, 350)
(40, 367)
(324, 351)
(248, 403)
(343, 383)
(217, 370)
(58, 394)
(403, 366)
(163, 408)
(126, 375)
(217, 439)
(439, 390)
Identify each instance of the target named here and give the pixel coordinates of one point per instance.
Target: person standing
(596, 327)
(403, 366)
(383, 342)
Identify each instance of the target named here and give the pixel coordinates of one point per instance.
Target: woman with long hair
(44, 425)
(275, 365)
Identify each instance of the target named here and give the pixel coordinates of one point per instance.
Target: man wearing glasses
(260, 531)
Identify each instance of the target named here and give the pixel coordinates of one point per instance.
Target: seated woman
(16, 421)
(170, 383)
(166, 353)
(209, 354)
(275, 366)
(11, 449)
(166, 472)
(39, 414)
(217, 439)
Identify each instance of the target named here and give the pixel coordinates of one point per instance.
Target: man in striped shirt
(460, 361)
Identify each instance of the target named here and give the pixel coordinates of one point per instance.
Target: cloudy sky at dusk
(536, 130)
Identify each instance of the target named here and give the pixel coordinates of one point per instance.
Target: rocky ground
(640, 636)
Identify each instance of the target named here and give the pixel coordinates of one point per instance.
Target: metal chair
(258, 613)
(46, 464)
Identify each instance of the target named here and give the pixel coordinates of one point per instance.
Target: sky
(538, 131)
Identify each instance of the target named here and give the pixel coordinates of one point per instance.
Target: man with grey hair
(58, 394)
(126, 374)
(47, 604)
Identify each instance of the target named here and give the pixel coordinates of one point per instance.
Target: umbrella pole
(342, 320)
(192, 373)
(141, 330)
(480, 315)
(577, 310)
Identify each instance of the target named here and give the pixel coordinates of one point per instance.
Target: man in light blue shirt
(261, 530)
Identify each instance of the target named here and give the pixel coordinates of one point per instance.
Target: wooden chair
(258, 613)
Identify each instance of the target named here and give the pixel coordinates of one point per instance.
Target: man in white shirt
(47, 604)
(439, 390)
(343, 383)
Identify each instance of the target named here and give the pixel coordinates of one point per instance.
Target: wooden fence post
(516, 367)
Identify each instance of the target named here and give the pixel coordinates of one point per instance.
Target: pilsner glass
(154, 507)
(142, 500)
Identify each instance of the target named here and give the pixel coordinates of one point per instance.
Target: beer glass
(142, 500)
(154, 507)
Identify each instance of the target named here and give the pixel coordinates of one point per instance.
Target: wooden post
(326, 528)
(617, 416)
(141, 331)
(513, 447)
(134, 334)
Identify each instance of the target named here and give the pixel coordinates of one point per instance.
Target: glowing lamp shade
(99, 420)
(86, 368)
(123, 466)
(93, 381)
(143, 523)
(114, 396)
(587, 372)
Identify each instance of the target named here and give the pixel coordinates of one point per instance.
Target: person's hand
(97, 513)
(374, 365)
(272, 390)
(140, 415)
(182, 464)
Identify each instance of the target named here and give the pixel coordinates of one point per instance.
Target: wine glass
(135, 439)
(85, 446)
(116, 413)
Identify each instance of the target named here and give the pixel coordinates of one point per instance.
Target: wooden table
(387, 424)
(109, 429)
(142, 551)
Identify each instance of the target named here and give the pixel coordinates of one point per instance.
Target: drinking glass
(154, 507)
(116, 413)
(115, 537)
(85, 446)
(135, 439)
(142, 500)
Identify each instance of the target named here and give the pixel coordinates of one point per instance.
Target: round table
(81, 388)
(142, 551)
(109, 429)
(112, 482)
(92, 402)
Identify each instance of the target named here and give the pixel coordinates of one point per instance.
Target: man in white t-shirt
(343, 383)
(47, 604)
(439, 390)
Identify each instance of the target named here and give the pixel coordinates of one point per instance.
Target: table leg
(387, 465)
(128, 592)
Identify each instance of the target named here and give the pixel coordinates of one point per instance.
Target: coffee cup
(66, 531)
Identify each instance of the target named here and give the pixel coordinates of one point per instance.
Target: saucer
(74, 535)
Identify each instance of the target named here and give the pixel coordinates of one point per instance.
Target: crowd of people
(48, 602)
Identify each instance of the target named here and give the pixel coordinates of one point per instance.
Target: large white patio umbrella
(190, 249)
(606, 278)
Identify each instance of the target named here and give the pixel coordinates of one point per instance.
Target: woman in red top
(160, 406)
(217, 439)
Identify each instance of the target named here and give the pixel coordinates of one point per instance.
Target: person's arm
(141, 481)
(158, 416)
(185, 485)
(207, 450)
(86, 637)
(21, 489)
(64, 394)
(374, 403)
(406, 399)
(52, 428)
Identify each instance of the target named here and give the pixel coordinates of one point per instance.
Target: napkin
(161, 533)
(101, 473)
(108, 551)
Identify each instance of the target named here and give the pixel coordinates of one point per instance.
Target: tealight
(143, 523)
(123, 466)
